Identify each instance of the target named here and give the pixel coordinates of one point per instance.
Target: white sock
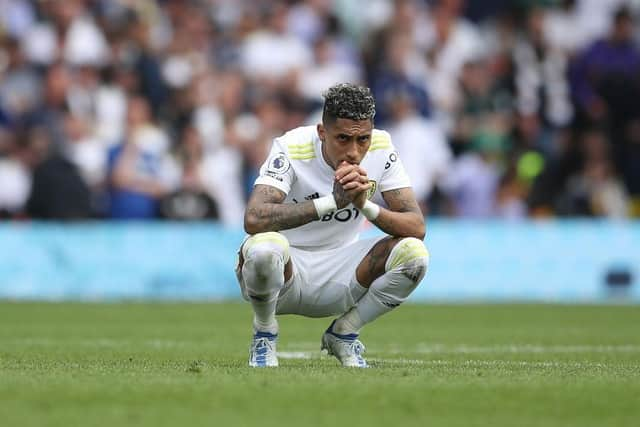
(385, 293)
(263, 285)
(356, 289)
(347, 323)
(263, 275)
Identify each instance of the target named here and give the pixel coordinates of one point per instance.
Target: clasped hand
(351, 185)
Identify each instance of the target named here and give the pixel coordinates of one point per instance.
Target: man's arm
(266, 212)
(403, 218)
(124, 174)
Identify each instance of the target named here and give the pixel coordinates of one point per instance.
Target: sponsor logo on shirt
(343, 215)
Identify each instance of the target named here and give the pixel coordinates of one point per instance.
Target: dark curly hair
(348, 101)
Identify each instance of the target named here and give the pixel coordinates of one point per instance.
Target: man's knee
(264, 250)
(264, 258)
(410, 257)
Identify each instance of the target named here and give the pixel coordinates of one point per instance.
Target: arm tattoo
(340, 195)
(403, 217)
(401, 200)
(266, 212)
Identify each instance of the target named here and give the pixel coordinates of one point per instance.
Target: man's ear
(321, 132)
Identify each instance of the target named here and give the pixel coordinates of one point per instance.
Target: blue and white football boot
(262, 353)
(346, 348)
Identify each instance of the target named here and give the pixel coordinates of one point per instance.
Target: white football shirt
(296, 166)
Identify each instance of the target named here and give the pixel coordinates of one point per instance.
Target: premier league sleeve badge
(279, 164)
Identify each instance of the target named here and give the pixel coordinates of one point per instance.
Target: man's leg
(391, 271)
(265, 267)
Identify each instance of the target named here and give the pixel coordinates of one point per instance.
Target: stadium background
(131, 133)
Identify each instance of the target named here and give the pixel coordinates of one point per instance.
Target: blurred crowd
(141, 109)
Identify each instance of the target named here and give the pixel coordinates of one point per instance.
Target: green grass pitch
(450, 365)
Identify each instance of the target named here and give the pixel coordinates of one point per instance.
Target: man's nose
(352, 153)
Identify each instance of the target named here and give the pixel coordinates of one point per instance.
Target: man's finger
(356, 187)
(352, 176)
(350, 185)
(344, 170)
(355, 178)
(361, 170)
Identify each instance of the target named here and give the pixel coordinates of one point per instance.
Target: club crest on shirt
(279, 164)
(372, 190)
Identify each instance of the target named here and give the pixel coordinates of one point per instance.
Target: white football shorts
(319, 286)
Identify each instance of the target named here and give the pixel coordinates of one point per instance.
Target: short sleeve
(394, 175)
(276, 171)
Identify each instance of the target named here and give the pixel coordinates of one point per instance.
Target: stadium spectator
(50, 112)
(20, 84)
(86, 152)
(398, 71)
(606, 86)
(425, 152)
(308, 20)
(510, 196)
(605, 75)
(451, 42)
(209, 65)
(207, 179)
(58, 192)
(485, 108)
(271, 54)
(558, 19)
(472, 181)
(140, 171)
(16, 165)
(326, 70)
(595, 189)
(17, 17)
(69, 33)
(540, 75)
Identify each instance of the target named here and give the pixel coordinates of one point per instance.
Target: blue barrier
(562, 261)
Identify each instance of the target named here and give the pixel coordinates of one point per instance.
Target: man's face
(623, 30)
(345, 140)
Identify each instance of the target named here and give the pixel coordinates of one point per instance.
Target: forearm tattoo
(401, 201)
(340, 195)
(266, 212)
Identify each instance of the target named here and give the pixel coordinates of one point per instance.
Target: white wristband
(370, 210)
(325, 205)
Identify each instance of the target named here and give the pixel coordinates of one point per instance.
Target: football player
(302, 254)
